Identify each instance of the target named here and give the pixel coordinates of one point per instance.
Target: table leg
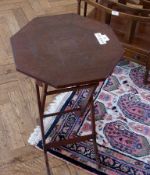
(41, 105)
(94, 133)
(41, 97)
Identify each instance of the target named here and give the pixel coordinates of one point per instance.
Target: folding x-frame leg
(41, 106)
(41, 97)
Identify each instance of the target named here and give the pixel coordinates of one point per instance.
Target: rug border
(63, 158)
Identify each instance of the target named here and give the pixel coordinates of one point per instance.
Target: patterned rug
(122, 111)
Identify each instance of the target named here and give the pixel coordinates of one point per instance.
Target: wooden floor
(18, 110)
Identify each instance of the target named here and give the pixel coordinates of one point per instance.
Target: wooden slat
(27, 87)
(22, 114)
(35, 4)
(20, 17)
(11, 130)
(5, 34)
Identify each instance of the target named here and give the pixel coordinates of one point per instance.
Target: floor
(18, 109)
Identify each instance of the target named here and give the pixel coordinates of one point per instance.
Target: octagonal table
(63, 52)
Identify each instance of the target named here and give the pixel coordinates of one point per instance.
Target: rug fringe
(55, 106)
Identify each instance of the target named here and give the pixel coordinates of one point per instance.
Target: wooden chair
(134, 17)
(142, 8)
(127, 8)
(137, 54)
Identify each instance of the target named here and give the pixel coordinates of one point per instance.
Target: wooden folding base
(41, 98)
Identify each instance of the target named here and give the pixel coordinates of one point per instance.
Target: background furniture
(103, 11)
(128, 8)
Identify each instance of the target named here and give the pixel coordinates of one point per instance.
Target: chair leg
(107, 18)
(94, 133)
(85, 9)
(41, 105)
(79, 7)
(147, 72)
(129, 36)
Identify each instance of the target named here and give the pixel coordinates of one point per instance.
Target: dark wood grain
(63, 51)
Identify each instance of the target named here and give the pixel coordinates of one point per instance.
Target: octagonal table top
(62, 50)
